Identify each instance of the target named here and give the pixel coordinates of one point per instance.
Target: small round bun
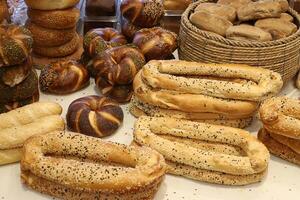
(51, 4)
(94, 116)
(55, 19)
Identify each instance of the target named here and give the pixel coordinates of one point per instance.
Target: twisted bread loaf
(95, 116)
(97, 170)
(219, 154)
(63, 77)
(15, 44)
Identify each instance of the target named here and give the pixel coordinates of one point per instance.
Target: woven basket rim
(218, 38)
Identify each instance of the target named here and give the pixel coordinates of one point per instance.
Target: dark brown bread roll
(94, 116)
(155, 43)
(21, 91)
(143, 13)
(63, 77)
(13, 75)
(98, 40)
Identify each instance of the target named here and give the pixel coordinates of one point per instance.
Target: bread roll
(259, 10)
(247, 32)
(284, 4)
(224, 11)
(286, 17)
(210, 22)
(277, 27)
(234, 3)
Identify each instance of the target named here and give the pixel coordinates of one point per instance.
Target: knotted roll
(205, 152)
(98, 40)
(20, 124)
(90, 168)
(15, 44)
(117, 67)
(95, 116)
(63, 77)
(281, 132)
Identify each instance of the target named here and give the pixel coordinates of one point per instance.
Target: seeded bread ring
(94, 116)
(56, 19)
(59, 51)
(45, 37)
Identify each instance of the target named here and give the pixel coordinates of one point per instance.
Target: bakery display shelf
(282, 181)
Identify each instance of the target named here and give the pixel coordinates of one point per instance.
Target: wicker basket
(282, 56)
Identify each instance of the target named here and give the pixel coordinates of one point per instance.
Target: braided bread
(63, 77)
(15, 44)
(95, 116)
(115, 67)
(143, 13)
(156, 43)
(98, 40)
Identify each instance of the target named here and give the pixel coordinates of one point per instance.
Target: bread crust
(9, 156)
(125, 169)
(248, 32)
(56, 19)
(278, 149)
(50, 4)
(172, 75)
(151, 131)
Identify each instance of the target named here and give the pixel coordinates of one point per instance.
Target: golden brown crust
(248, 32)
(221, 10)
(50, 4)
(151, 131)
(125, 169)
(45, 37)
(277, 148)
(234, 3)
(257, 83)
(189, 102)
(55, 19)
(59, 51)
(10, 156)
(281, 115)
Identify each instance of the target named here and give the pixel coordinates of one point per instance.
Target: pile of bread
(245, 20)
(18, 81)
(225, 94)
(53, 26)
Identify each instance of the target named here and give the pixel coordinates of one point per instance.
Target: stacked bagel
(18, 81)
(53, 26)
(223, 94)
(281, 132)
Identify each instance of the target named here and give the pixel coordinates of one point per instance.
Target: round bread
(58, 51)
(119, 93)
(143, 13)
(21, 91)
(45, 37)
(156, 43)
(63, 77)
(13, 75)
(94, 116)
(51, 4)
(4, 13)
(98, 40)
(6, 107)
(15, 44)
(55, 19)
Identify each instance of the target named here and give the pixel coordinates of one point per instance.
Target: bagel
(51, 4)
(90, 168)
(59, 51)
(281, 115)
(55, 19)
(257, 83)
(214, 154)
(45, 37)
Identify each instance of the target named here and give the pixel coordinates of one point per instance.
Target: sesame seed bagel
(82, 167)
(55, 19)
(229, 152)
(256, 83)
(59, 51)
(45, 37)
(50, 4)
(281, 115)
(94, 116)
(190, 102)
